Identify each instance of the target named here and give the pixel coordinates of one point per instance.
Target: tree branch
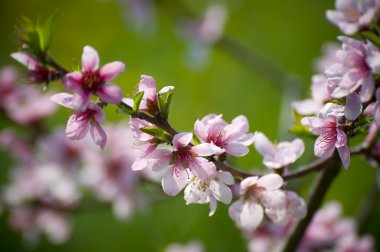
(331, 169)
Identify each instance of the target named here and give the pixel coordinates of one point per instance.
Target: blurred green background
(288, 33)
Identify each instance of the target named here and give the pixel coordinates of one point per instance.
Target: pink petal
(201, 130)
(206, 149)
(181, 140)
(221, 192)
(353, 106)
(160, 159)
(316, 125)
(128, 101)
(243, 121)
(81, 100)
(73, 81)
(148, 85)
(251, 216)
(225, 177)
(27, 60)
(63, 99)
(368, 88)
(97, 112)
(213, 205)
(344, 154)
(110, 93)
(140, 163)
(263, 145)
(90, 60)
(202, 168)
(307, 107)
(271, 181)
(98, 134)
(236, 149)
(77, 126)
(111, 70)
(174, 182)
(325, 145)
(166, 89)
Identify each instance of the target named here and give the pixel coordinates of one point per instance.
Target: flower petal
(63, 99)
(353, 106)
(236, 149)
(111, 70)
(73, 81)
(271, 181)
(81, 100)
(263, 145)
(78, 126)
(159, 159)
(181, 140)
(27, 60)
(110, 93)
(206, 149)
(174, 182)
(344, 154)
(221, 192)
(98, 134)
(90, 60)
(251, 215)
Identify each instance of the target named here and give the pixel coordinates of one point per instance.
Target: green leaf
(158, 133)
(123, 109)
(164, 102)
(298, 128)
(137, 100)
(371, 37)
(45, 31)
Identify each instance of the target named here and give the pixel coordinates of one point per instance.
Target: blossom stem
(331, 168)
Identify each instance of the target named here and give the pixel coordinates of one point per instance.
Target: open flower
(330, 131)
(94, 80)
(352, 15)
(83, 121)
(278, 155)
(232, 138)
(351, 76)
(184, 159)
(211, 190)
(261, 195)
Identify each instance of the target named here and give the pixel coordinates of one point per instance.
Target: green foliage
(164, 102)
(124, 109)
(298, 128)
(159, 134)
(36, 37)
(137, 100)
(371, 37)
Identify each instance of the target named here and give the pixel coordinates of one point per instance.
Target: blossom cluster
(53, 170)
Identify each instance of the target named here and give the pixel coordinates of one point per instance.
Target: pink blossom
(319, 96)
(26, 105)
(93, 79)
(327, 58)
(108, 172)
(351, 15)
(352, 243)
(183, 160)
(351, 77)
(8, 81)
(81, 122)
(278, 155)
(149, 100)
(210, 191)
(263, 195)
(146, 143)
(232, 138)
(33, 222)
(327, 125)
(37, 73)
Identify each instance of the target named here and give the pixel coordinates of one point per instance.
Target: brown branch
(330, 171)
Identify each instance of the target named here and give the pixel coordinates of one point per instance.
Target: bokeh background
(287, 34)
